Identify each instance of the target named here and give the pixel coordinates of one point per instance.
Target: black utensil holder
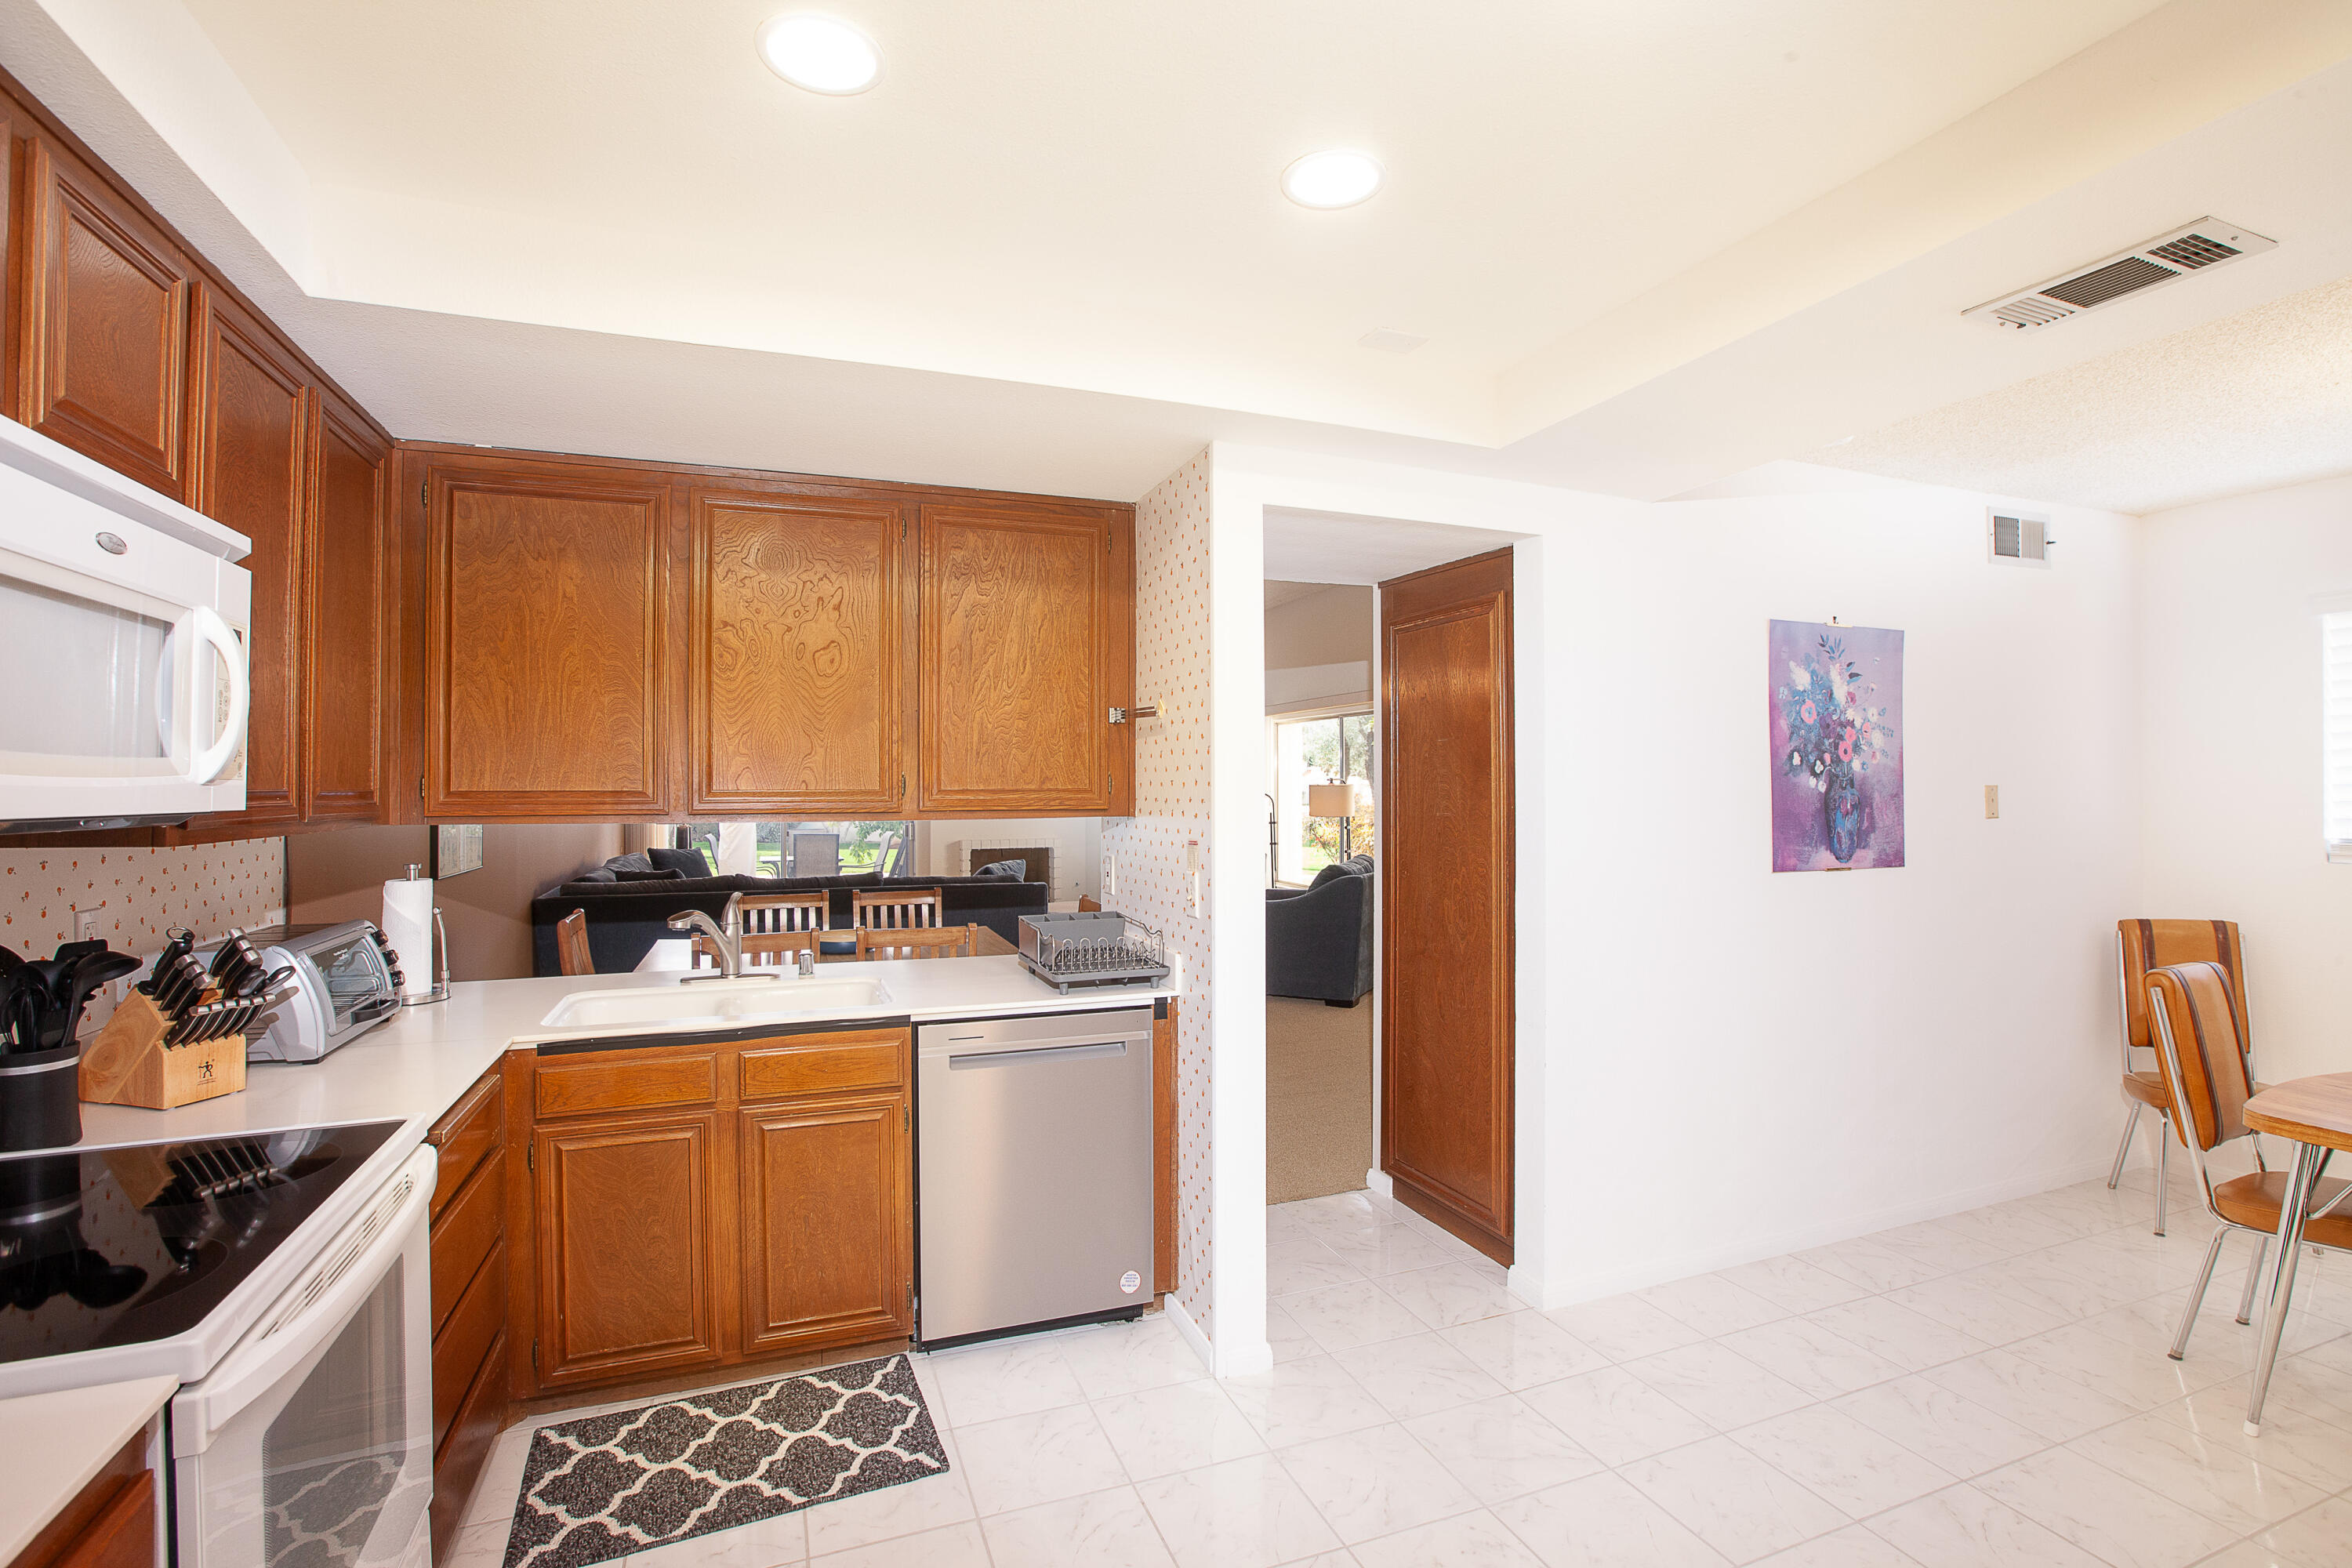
(40, 1099)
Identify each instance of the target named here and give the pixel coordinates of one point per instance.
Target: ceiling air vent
(2208, 242)
(2017, 538)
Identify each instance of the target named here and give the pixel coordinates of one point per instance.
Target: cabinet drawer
(459, 1350)
(466, 1135)
(626, 1081)
(464, 1233)
(457, 1462)
(823, 1064)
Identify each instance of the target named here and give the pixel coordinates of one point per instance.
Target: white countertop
(420, 1063)
(53, 1445)
(417, 1065)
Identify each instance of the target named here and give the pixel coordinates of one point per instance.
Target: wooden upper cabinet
(545, 625)
(797, 687)
(250, 415)
(1027, 641)
(347, 632)
(104, 342)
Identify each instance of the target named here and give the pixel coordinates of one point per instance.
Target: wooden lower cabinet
(774, 1214)
(470, 1259)
(109, 1523)
(629, 1246)
(825, 1200)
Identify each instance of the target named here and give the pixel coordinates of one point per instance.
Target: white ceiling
(2253, 400)
(1649, 245)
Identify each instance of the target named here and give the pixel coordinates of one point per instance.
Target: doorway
(1321, 846)
(1448, 964)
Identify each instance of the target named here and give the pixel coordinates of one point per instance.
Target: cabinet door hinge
(534, 1356)
(902, 786)
(902, 528)
(906, 1118)
(420, 787)
(425, 493)
(531, 1156)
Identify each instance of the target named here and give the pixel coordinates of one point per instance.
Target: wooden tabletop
(676, 951)
(2306, 1110)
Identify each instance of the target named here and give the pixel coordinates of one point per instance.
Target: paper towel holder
(440, 991)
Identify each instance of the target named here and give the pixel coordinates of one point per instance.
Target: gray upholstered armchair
(1318, 938)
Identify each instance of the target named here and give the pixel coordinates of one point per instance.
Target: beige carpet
(1319, 1098)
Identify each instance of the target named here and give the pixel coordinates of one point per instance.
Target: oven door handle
(326, 1293)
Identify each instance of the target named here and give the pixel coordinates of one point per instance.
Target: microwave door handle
(206, 627)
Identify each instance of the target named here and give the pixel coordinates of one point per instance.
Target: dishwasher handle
(1028, 1056)
(1007, 1037)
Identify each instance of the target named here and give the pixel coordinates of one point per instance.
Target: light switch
(1992, 800)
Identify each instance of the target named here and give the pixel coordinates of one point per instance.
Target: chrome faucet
(726, 940)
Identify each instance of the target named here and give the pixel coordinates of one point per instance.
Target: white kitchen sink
(716, 1003)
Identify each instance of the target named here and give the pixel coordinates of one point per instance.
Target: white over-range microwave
(123, 624)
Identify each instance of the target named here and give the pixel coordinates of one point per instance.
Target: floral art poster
(1836, 701)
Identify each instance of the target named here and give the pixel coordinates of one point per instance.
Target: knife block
(129, 1064)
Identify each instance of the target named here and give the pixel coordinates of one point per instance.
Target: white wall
(1716, 1063)
(2229, 656)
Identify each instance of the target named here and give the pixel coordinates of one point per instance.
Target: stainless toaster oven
(346, 981)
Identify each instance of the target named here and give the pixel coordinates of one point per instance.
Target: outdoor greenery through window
(1330, 749)
(800, 848)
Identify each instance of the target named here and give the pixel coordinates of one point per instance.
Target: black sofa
(625, 917)
(1318, 938)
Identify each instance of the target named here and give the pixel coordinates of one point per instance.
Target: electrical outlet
(86, 924)
(1992, 800)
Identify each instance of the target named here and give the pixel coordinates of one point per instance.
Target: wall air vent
(2208, 242)
(2017, 538)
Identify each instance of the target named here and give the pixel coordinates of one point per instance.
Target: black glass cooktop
(117, 1247)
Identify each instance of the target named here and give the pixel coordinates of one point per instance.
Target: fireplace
(1039, 859)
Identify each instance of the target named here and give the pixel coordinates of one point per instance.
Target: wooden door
(545, 618)
(629, 1241)
(1025, 636)
(107, 302)
(252, 409)
(797, 687)
(347, 636)
(828, 1222)
(1446, 834)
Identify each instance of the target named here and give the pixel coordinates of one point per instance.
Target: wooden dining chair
(2198, 1017)
(894, 908)
(572, 954)
(777, 948)
(765, 912)
(1088, 906)
(2142, 946)
(919, 942)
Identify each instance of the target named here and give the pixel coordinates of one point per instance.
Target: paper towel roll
(408, 926)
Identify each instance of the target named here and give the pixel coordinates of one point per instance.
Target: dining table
(2314, 1115)
(677, 952)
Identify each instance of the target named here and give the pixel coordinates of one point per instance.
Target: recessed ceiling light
(820, 54)
(1338, 178)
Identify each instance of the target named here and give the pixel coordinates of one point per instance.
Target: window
(1329, 749)
(2336, 731)
(801, 848)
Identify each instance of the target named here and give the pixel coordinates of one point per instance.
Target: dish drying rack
(1097, 947)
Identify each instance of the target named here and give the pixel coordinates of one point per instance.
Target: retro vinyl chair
(2141, 946)
(2197, 1015)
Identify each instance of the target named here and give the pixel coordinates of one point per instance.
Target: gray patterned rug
(604, 1486)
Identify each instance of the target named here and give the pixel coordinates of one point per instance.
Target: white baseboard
(1568, 1289)
(1189, 1331)
(1379, 1183)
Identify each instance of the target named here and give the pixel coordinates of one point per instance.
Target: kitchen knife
(182, 941)
(180, 988)
(178, 1031)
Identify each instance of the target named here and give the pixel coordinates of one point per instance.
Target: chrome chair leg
(2254, 1278)
(2163, 1166)
(2123, 1150)
(2196, 1294)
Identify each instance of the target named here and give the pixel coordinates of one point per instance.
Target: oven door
(311, 1443)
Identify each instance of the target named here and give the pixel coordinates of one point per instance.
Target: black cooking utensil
(99, 969)
(20, 1012)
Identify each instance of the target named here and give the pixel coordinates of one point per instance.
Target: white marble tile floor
(1988, 1389)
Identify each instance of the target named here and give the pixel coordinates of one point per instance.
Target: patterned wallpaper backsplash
(138, 894)
(1147, 854)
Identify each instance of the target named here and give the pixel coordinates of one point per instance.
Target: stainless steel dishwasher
(1034, 1145)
